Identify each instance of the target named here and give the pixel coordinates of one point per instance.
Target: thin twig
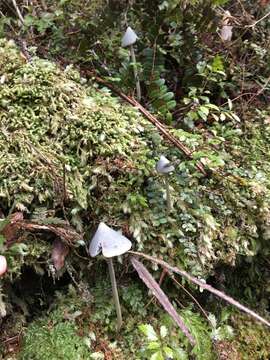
(256, 22)
(239, 96)
(192, 297)
(201, 284)
(259, 92)
(162, 128)
(18, 11)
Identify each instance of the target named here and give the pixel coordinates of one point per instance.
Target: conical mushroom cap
(129, 37)
(226, 33)
(164, 166)
(109, 241)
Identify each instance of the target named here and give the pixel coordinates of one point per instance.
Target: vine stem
(115, 294)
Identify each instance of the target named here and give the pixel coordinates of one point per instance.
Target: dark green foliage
(161, 99)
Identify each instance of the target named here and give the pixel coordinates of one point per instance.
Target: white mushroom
(110, 243)
(226, 33)
(130, 38)
(3, 265)
(164, 166)
(226, 30)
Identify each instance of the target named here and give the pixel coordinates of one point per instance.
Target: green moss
(252, 340)
(53, 341)
(52, 119)
(79, 328)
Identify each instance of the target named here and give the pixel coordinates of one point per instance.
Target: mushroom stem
(168, 195)
(138, 86)
(115, 294)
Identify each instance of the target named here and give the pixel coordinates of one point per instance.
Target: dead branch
(201, 284)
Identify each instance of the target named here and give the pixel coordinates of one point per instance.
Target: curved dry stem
(115, 294)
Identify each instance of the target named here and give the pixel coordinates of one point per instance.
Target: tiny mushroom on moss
(226, 30)
(110, 243)
(128, 40)
(164, 167)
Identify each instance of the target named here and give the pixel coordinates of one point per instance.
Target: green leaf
(220, 2)
(222, 117)
(157, 356)
(163, 331)
(217, 64)
(171, 104)
(236, 117)
(168, 351)
(215, 117)
(186, 101)
(148, 331)
(202, 115)
(212, 106)
(2, 240)
(168, 96)
(204, 109)
(153, 345)
(159, 82)
(29, 20)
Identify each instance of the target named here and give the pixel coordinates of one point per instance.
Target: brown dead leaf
(59, 253)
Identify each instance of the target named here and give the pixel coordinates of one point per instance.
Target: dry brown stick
(207, 287)
(162, 276)
(162, 128)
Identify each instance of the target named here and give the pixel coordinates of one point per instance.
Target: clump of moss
(45, 340)
(57, 334)
(251, 340)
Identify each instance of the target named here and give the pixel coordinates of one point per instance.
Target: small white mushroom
(164, 167)
(110, 243)
(226, 33)
(3, 265)
(128, 40)
(226, 30)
